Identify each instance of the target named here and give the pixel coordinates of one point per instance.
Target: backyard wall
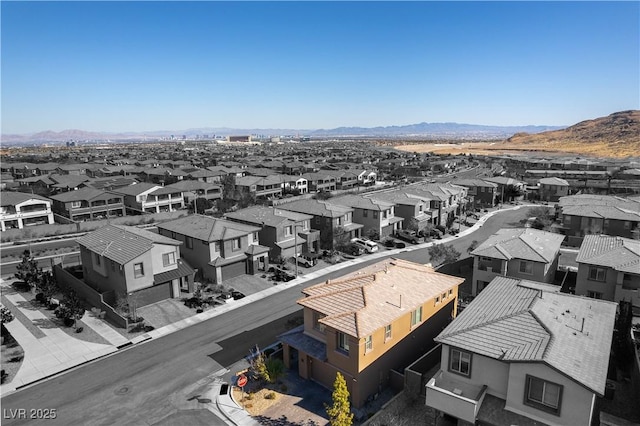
(67, 280)
(414, 375)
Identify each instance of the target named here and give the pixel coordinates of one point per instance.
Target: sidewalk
(48, 351)
(57, 351)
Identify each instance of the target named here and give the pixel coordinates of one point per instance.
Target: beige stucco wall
(484, 371)
(576, 403)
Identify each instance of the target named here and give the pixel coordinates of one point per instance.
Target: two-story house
(586, 214)
(552, 188)
(19, 209)
(320, 181)
(504, 183)
(525, 253)
(345, 179)
(368, 323)
(411, 208)
(260, 187)
(125, 260)
(151, 198)
(285, 233)
(330, 219)
(609, 269)
(219, 249)
(481, 194)
(192, 189)
(88, 204)
(522, 353)
(446, 200)
(376, 216)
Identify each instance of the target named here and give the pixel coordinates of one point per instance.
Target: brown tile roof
(620, 254)
(373, 297)
(519, 320)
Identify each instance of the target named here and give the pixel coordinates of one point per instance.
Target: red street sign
(242, 380)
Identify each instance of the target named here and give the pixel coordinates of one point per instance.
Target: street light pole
(295, 245)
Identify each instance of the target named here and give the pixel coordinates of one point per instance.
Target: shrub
(79, 329)
(249, 396)
(68, 322)
(199, 311)
(248, 405)
(284, 388)
(270, 395)
(16, 358)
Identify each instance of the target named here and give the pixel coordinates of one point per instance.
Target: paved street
(146, 383)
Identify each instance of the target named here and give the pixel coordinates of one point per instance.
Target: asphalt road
(146, 383)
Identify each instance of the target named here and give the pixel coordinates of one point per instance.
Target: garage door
(233, 270)
(153, 294)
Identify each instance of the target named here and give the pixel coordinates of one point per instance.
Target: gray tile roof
(136, 189)
(207, 228)
(79, 195)
(358, 201)
(10, 198)
(316, 208)
(518, 321)
(261, 215)
(553, 181)
(122, 243)
(620, 254)
(521, 243)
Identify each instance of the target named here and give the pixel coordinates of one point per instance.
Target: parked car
(433, 233)
(281, 274)
(354, 249)
(368, 245)
(409, 236)
(306, 260)
(237, 295)
(225, 297)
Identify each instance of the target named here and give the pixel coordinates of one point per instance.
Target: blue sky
(127, 66)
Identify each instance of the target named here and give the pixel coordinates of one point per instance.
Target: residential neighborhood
(457, 283)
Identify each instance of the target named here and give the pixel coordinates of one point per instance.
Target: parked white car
(368, 245)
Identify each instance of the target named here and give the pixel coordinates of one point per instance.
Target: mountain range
(420, 130)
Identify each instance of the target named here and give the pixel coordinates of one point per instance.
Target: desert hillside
(617, 135)
(614, 136)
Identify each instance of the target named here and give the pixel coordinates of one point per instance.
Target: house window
(343, 342)
(365, 213)
(168, 259)
(339, 221)
(444, 296)
(597, 274)
(526, 267)
(189, 242)
(437, 300)
(387, 333)
(460, 362)
(543, 395)
(606, 223)
(305, 225)
(317, 325)
(138, 270)
(368, 344)
(288, 231)
(450, 292)
(416, 316)
(96, 256)
(216, 246)
(594, 294)
(627, 224)
(76, 204)
(255, 237)
(375, 214)
(236, 244)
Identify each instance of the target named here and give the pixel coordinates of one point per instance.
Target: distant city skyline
(146, 66)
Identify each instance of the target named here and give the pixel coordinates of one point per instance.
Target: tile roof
(366, 300)
(521, 243)
(208, 228)
(136, 189)
(620, 254)
(553, 181)
(81, 194)
(122, 243)
(262, 215)
(591, 200)
(191, 185)
(10, 198)
(511, 321)
(316, 208)
(395, 197)
(476, 182)
(358, 201)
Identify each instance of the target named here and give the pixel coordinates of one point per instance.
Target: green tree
(71, 307)
(47, 285)
(472, 246)
(275, 369)
(28, 270)
(340, 411)
(6, 315)
(202, 204)
(543, 217)
(441, 254)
